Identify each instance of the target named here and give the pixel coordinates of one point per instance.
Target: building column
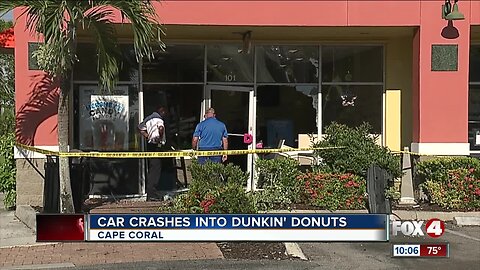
(440, 82)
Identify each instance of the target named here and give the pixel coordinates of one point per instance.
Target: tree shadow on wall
(41, 105)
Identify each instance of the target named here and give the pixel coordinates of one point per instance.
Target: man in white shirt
(153, 130)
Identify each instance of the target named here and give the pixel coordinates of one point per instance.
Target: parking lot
(464, 252)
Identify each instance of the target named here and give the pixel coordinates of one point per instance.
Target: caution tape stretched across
(418, 154)
(169, 154)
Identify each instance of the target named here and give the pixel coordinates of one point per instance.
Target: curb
(294, 250)
(27, 215)
(40, 266)
(466, 221)
(425, 215)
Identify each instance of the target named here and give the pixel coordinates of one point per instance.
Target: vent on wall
(444, 58)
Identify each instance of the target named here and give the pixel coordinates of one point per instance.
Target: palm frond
(57, 21)
(144, 21)
(7, 6)
(98, 20)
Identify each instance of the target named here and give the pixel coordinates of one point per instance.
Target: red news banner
(434, 250)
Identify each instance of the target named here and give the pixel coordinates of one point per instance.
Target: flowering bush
(437, 168)
(451, 182)
(460, 190)
(334, 191)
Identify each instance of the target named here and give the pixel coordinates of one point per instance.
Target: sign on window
(103, 119)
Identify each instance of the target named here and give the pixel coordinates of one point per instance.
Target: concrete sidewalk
(18, 248)
(12, 231)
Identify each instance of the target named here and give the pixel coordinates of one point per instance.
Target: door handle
(247, 138)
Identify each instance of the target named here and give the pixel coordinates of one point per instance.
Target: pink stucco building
(276, 70)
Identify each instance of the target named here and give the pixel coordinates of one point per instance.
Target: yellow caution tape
(418, 154)
(188, 153)
(38, 150)
(169, 154)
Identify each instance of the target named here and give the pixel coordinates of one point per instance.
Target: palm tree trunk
(66, 198)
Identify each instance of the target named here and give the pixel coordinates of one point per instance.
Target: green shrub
(281, 171)
(216, 173)
(7, 121)
(277, 178)
(437, 169)
(359, 153)
(393, 193)
(334, 191)
(217, 189)
(461, 191)
(7, 169)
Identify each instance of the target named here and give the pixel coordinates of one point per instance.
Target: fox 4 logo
(434, 228)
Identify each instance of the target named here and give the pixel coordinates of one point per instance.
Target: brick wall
(30, 179)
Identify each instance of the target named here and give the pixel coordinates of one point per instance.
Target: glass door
(234, 106)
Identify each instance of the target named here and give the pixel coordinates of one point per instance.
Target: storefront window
(86, 67)
(183, 103)
(352, 64)
(177, 63)
(228, 63)
(474, 117)
(474, 63)
(106, 121)
(284, 112)
(352, 105)
(352, 86)
(287, 64)
(474, 99)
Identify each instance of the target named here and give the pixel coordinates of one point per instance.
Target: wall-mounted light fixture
(247, 41)
(451, 14)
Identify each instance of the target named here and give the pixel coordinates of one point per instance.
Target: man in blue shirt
(210, 134)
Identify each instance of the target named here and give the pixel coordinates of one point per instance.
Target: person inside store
(152, 128)
(210, 135)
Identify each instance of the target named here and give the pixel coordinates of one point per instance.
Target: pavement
(464, 245)
(84, 254)
(12, 231)
(19, 249)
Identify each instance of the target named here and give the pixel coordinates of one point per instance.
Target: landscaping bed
(254, 250)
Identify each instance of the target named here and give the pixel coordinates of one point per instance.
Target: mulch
(254, 250)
